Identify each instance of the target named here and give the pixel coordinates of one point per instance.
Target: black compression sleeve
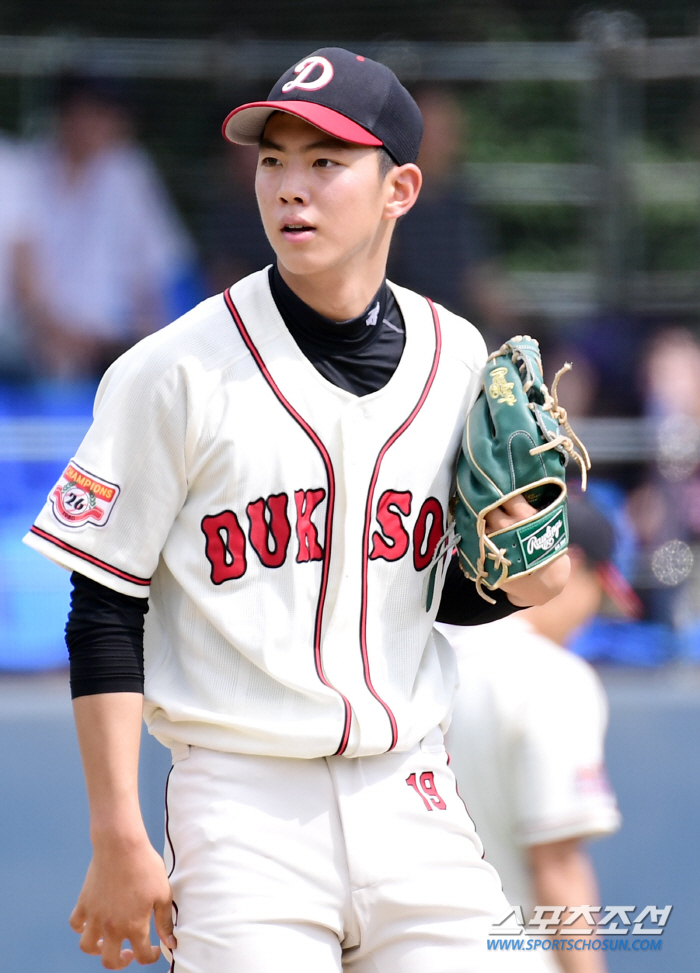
(104, 635)
(461, 603)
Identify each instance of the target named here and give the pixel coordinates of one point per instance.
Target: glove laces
(571, 444)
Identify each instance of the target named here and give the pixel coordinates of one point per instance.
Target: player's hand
(125, 884)
(542, 585)
(511, 512)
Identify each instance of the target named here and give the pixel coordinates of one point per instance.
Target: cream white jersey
(527, 745)
(282, 527)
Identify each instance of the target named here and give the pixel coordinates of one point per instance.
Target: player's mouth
(297, 231)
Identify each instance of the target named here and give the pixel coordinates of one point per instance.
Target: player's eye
(325, 163)
(269, 161)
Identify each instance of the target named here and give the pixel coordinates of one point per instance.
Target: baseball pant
(361, 865)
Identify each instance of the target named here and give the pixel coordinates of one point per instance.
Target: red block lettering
(225, 547)
(394, 544)
(307, 535)
(425, 539)
(277, 529)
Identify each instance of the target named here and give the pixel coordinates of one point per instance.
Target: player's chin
(309, 258)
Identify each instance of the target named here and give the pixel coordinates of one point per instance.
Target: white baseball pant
(361, 865)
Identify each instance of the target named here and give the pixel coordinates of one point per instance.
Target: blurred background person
(527, 738)
(233, 240)
(108, 253)
(14, 221)
(665, 507)
(442, 248)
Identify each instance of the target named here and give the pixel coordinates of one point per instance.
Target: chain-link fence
(578, 155)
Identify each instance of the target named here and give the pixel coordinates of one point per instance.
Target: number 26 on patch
(425, 788)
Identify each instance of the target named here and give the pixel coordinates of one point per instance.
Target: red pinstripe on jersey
(330, 476)
(144, 582)
(368, 518)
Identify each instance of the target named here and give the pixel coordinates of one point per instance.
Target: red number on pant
(427, 782)
(426, 790)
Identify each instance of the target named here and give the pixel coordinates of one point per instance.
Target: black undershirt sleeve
(104, 635)
(461, 603)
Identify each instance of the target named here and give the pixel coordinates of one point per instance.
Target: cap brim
(245, 124)
(619, 590)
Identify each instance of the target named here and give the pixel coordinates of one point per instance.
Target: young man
(527, 743)
(269, 477)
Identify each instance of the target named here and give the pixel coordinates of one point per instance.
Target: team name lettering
(392, 543)
(427, 533)
(306, 502)
(225, 547)
(269, 537)
(269, 532)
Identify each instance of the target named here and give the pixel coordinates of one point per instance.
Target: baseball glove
(511, 446)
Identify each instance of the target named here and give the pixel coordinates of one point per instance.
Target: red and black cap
(346, 95)
(591, 531)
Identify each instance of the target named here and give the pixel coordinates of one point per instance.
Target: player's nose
(293, 187)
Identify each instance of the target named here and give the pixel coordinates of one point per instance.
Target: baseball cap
(591, 531)
(343, 94)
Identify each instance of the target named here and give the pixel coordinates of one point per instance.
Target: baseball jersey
(282, 527)
(527, 745)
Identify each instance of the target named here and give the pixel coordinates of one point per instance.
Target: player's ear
(403, 186)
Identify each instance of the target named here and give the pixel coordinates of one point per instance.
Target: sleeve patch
(81, 498)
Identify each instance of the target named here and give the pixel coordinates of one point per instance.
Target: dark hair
(71, 88)
(386, 163)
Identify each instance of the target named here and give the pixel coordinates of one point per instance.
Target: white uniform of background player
(528, 730)
(282, 529)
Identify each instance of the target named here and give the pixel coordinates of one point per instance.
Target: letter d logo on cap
(304, 69)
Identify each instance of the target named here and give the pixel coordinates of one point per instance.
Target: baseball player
(268, 479)
(527, 743)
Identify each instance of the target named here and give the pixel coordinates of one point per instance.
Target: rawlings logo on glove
(512, 446)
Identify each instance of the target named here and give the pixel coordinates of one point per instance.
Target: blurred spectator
(441, 248)
(14, 219)
(527, 738)
(665, 509)
(234, 241)
(606, 349)
(108, 251)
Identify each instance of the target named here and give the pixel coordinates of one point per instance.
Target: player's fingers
(163, 915)
(150, 954)
(142, 949)
(518, 507)
(77, 918)
(510, 512)
(91, 939)
(113, 956)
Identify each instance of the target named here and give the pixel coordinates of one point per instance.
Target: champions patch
(81, 498)
(540, 541)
